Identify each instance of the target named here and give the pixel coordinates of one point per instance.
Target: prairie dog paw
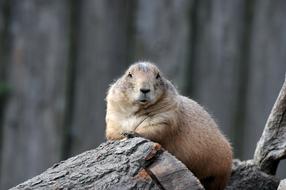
(130, 134)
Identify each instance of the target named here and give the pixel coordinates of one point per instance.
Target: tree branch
(271, 147)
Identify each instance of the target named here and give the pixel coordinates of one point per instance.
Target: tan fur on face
(178, 123)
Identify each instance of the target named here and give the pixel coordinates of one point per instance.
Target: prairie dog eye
(129, 75)
(158, 76)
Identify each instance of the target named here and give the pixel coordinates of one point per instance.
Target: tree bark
(247, 176)
(271, 147)
(34, 114)
(134, 163)
(138, 163)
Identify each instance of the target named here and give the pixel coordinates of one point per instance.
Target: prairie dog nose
(144, 90)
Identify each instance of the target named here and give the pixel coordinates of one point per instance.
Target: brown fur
(178, 123)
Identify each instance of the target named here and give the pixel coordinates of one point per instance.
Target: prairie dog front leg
(154, 132)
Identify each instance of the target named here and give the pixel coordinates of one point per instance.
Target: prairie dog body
(143, 101)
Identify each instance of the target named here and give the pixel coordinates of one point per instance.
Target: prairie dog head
(142, 84)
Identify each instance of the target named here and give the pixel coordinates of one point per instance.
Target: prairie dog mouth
(143, 101)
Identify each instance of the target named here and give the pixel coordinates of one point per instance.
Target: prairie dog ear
(158, 75)
(129, 75)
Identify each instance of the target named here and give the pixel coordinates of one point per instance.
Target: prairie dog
(144, 102)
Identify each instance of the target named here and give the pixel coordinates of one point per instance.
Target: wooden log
(138, 163)
(134, 163)
(173, 174)
(247, 176)
(271, 147)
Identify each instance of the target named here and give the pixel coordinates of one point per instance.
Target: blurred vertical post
(267, 67)
(2, 68)
(3, 40)
(2, 4)
(103, 42)
(33, 120)
(162, 35)
(217, 62)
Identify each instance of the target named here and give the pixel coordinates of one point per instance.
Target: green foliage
(4, 88)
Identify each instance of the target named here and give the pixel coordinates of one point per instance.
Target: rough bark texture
(247, 176)
(171, 174)
(138, 163)
(271, 147)
(282, 185)
(134, 163)
(34, 113)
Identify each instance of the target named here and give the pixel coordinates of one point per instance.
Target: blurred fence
(58, 57)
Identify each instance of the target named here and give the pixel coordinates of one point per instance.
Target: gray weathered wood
(271, 147)
(102, 55)
(138, 163)
(247, 176)
(134, 163)
(33, 117)
(282, 185)
(173, 174)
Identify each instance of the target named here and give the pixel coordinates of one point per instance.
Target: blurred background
(58, 57)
